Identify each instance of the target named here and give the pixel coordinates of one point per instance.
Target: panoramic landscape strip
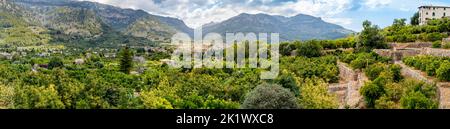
(70, 54)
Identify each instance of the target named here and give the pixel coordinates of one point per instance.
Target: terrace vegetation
(53, 69)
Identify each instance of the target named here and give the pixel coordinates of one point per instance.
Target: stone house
(432, 12)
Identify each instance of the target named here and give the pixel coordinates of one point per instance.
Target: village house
(139, 59)
(79, 61)
(432, 12)
(6, 55)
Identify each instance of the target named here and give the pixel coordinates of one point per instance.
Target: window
(434, 14)
(427, 13)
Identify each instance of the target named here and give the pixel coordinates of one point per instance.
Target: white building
(432, 12)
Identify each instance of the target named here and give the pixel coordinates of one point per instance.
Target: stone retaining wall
(348, 88)
(436, 52)
(346, 73)
(443, 87)
(411, 45)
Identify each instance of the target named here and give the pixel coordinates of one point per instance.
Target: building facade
(432, 12)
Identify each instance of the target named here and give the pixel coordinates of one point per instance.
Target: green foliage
(6, 97)
(322, 67)
(370, 38)
(286, 48)
(415, 19)
(315, 95)
(417, 100)
(396, 71)
(371, 93)
(385, 102)
(437, 44)
(362, 60)
(14, 31)
(309, 49)
(434, 31)
(270, 96)
(44, 97)
(287, 80)
(373, 71)
(384, 93)
(56, 62)
(443, 73)
(446, 45)
(152, 101)
(433, 66)
(126, 60)
(398, 23)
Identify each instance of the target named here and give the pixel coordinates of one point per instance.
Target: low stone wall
(398, 54)
(446, 40)
(346, 73)
(383, 52)
(402, 53)
(436, 52)
(347, 90)
(411, 45)
(416, 74)
(443, 87)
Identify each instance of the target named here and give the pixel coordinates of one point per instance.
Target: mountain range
(299, 27)
(82, 20)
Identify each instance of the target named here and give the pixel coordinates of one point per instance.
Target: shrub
(270, 96)
(55, 62)
(435, 36)
(310, 49)
(287, 81)
(385, 103)
(371, 93)
(417, 100)
(374, 70)
(315, 95)
(431, 67)
(446, 45)
(443, 73)
(437, 44)
(396, 72)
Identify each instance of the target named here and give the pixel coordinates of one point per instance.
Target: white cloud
(376, 3)
(198, 12)
(339, 21)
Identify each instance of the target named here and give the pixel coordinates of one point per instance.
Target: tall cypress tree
(126, 61)
(415, 19)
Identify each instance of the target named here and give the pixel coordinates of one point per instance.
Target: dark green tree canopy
(270, 96)
(126, 60)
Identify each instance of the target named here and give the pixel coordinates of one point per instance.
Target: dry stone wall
(436, 52)
(348, 88)
(443, 87)
(411, 45)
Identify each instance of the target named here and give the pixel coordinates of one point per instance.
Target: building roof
(426, 6)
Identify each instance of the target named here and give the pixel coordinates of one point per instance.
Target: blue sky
(347, 13)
